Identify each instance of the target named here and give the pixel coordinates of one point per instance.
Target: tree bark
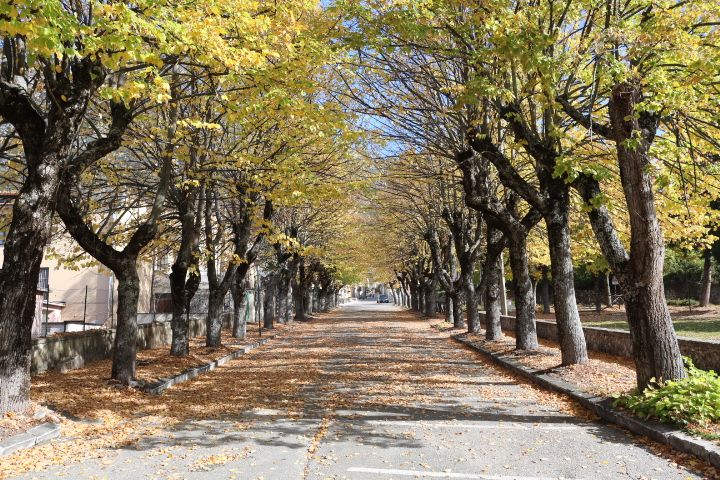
(471, 302)
(545, 290)
(29, 232)
(503, 291)
(640, 273)
(179, 283)
(525, 333)
(414, 297)
(570, 333)
(458, 310)
(45, 144)
(706, 283)
(269, 301)
(449, 310)
(607, 290)
(240, 306)
(656, 348)
(430, 298)
(493, 278)
(126, 333)
(213, 322)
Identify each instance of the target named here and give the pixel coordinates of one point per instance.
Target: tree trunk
(607, 290)
(240, 306)
(299, 301)
(493, 279)
(570, 333)
(431, 298)
(284, 305)
(525, 333)
(180, 343)
(309, 302)
(126, 333)
(29, 232)
(458, 312)
(449, 309)
(706, 283)
(503, 291)
(213, 323)
(545, 290)
(471, 303)
(656, 351)
(23, 253)
(414, 297)
(269, 302)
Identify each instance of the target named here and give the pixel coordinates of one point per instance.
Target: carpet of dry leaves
(96, 415)
(303, 371)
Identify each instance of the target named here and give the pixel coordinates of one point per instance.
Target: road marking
(420, 473)
(479, 426)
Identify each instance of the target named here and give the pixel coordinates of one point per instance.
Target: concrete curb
(156, 388)
(34, 436)
(602, 406)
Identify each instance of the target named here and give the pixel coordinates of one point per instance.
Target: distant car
(383, 299)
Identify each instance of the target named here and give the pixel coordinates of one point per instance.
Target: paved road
(371, 392)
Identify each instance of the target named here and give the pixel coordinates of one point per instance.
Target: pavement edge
(157, 388)
(34, 436)
(602, 406)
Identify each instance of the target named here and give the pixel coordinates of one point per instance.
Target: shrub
(692, 400)
(683, 302)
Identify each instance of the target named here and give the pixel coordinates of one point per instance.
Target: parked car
(383, 299)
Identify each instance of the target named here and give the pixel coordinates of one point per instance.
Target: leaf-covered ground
(354, 394)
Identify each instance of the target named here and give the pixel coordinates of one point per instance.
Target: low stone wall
(705, 354)
(74, 350)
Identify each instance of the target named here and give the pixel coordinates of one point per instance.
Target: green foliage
(682, 267)
(692, 400)
(683, 302)
(585, 279)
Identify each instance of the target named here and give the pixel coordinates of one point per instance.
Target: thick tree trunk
(179, 289)
(525, 333)
(471, 302)
(706, 283)
(299, 297)
(493, 329)
(240, 308)
(449, 309)
(180, 342)
(570, 333)
(284, 300)
(545, 290)
(309, 302)
(213, 323)
(414, 297)
(23, 252)
(458, 310)
(269, 302)
(656, 351)
(240, 317)
(430, 299)
(126, 333)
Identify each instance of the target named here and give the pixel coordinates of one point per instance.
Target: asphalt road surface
(371, 392)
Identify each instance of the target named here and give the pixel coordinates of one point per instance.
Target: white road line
(420, 473)
(479, 426)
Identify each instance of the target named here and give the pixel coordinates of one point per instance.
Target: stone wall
(705, 354)
(74, 350)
